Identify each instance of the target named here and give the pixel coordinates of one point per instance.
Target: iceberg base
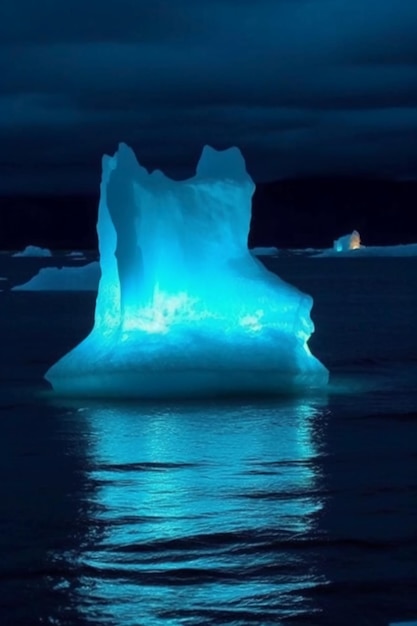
(200, 369)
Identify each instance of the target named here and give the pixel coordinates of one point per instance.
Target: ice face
(183, 309)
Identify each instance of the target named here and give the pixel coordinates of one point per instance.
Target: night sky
(302, 87)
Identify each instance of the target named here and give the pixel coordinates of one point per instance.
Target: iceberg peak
(222, 164)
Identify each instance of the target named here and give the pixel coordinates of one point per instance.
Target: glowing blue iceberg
(183, 308)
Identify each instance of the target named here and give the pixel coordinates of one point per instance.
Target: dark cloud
(301, 86)
(116, 21)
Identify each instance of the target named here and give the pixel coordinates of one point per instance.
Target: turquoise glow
(183, 309)
(184, 504)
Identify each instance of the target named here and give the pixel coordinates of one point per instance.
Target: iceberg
(347, 242)
(76, 254)
(183, 308)
(396, 250)
(84, 278)
(33, 251)
(265, 251)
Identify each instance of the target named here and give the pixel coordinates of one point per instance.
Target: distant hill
(313, 212)
(60, 222)
(296, 213)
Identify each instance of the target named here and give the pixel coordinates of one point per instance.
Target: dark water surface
(239, 513)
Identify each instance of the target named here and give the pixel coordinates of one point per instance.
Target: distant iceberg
(264, 251)
(85, 278)
(34, 251)
(183, 308)
(76, 254)
(400, 250)
(347, 242)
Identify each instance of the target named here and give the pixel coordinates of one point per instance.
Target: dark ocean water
(300, 512)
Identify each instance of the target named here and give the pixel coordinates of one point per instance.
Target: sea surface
(246, 513)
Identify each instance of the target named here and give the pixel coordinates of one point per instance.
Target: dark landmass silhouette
(293, 213)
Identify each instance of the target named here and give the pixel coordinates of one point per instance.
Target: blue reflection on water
(199, 514)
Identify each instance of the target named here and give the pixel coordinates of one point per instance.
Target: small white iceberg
(348, 242)
(264, 251)
(399, 250)
(76, 254)
(34, 251)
